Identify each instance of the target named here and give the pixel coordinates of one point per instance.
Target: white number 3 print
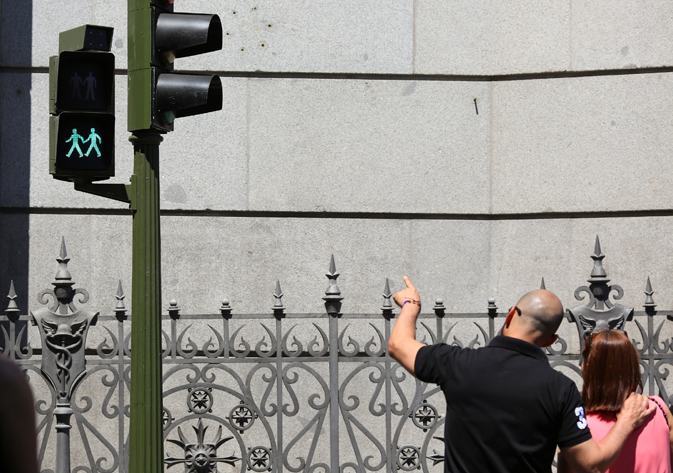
(582, 422)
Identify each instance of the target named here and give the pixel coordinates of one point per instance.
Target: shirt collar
(519, 345)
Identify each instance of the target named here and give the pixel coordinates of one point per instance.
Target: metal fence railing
(279, 391)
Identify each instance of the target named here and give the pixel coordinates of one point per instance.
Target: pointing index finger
(407, 281)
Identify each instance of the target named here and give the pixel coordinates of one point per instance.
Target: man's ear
(551, 341)
(510, 316)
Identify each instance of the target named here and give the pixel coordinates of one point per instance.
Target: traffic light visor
(187, 94)
(188, 34)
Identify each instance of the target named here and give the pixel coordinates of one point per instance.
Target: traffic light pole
(146, 440)
(146, 426)
(156, 36)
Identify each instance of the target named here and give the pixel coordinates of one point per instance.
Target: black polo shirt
(507, 409)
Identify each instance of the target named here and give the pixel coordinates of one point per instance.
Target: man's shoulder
(561, 379)
(455, 354)
(435, 362)
(442, 349)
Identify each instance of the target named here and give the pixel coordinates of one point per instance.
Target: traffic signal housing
(157, 95)
(81, 103)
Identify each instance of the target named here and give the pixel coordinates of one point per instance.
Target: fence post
(333, 306)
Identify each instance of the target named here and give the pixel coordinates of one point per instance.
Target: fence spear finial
(649, 300)
(598, 274)
(278, 294)
(387, 308)
(333, 293)
(63, 275)
(278, 308)
(120, 308)
(12, 308)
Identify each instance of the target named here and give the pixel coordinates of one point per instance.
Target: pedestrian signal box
(84, 81)
(81, 101)
(84, 146)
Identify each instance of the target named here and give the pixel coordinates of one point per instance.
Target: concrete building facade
(475, 146)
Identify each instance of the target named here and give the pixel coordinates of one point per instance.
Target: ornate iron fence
(279, 391)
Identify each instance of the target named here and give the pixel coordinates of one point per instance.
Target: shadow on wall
(16, 19)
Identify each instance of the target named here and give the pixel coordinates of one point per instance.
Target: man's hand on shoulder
(635, 411)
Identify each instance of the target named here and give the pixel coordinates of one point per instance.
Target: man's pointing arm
(403, 345)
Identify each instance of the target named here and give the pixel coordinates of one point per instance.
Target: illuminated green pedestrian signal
(81, 101)
(84, 146)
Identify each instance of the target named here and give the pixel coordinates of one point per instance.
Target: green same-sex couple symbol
(94, 138)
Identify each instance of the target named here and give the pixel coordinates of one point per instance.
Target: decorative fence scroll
(275, 392)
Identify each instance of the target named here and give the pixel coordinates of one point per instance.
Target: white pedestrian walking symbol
(94, 138)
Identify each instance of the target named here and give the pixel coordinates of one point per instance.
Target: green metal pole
(146, 427)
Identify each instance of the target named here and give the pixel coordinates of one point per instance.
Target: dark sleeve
(433, 362)
(573, 422)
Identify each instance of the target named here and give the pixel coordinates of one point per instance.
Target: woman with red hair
(611, 372)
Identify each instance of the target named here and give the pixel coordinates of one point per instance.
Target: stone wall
(473, 146)
(476, 148)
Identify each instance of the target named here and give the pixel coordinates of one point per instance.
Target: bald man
(507, 408)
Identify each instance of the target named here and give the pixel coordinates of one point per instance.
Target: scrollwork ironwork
(199, 456)
(408, 458)
(241, 417)
(281, 384)
(259, 459)
(425, 416)
(200, 400)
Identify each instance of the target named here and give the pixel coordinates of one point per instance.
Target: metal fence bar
(387, 312)
(279, 313)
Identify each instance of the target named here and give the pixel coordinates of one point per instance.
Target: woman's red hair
(611, 371)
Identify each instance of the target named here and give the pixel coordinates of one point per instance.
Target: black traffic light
(81, 103)
(157, 95)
